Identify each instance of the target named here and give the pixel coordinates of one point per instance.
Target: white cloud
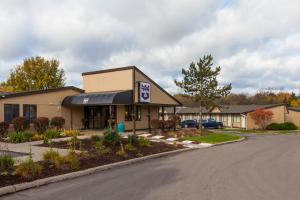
(257, 43)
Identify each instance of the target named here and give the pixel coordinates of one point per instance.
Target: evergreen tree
(200, 82)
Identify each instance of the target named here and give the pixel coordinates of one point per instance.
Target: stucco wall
(293, 116)
(278, 117)
(108, 81)
(143, 124)
(157, 95)
(48, 104)
(77, 114)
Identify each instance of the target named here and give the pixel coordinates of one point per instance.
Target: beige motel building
(108, 97)
(238, 116)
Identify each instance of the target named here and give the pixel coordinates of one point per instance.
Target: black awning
(99, 98)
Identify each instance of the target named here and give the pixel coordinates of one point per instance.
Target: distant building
(238, 116)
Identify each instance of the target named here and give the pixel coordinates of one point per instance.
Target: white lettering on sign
(85, 100)
(145, 92)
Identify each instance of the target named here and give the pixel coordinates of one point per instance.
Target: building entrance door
(96, 117)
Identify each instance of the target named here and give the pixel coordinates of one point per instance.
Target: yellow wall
(157, 95)
(108, 81)
(48, 104)
(77, 114)
(143, 124)
(293, 116)
(278, 117)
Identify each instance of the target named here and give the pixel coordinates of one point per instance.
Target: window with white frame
(237, 118)
(224, 117)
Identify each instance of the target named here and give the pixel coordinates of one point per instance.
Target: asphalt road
(263, 167)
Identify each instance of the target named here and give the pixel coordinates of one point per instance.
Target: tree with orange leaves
(262, 117)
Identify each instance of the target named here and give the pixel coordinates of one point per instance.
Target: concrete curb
(233, 141)
(23, 186)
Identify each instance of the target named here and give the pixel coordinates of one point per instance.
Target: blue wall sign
(145, 92)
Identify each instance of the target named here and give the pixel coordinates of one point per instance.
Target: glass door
(97, 117)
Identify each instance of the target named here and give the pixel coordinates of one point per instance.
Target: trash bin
(121, 128)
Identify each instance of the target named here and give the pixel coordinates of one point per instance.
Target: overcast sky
(256, 43)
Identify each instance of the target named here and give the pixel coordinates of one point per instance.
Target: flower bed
(94, 152)
(28, 136)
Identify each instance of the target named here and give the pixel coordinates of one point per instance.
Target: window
(138, 113)
(129, 111)
(29, 112)
(237, 118)
(113, 112)
(224, 117)
(11, 111)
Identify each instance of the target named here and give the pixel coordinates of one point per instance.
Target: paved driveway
(263, 167)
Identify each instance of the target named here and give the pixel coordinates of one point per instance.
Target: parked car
(189, 124)
(211, 123)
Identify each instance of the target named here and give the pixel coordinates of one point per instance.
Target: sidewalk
(38, 151)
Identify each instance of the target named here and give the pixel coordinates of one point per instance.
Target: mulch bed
(91, 159)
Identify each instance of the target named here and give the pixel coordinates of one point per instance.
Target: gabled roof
(4, 93)
(7, 95)
(227, 109)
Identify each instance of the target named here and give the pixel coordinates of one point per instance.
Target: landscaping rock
(158, 137)
(145, 135)
(172, 139)
(186, 142)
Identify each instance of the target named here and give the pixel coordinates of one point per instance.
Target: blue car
(211, 123)
(189, 124)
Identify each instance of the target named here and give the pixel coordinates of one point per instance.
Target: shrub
(6, 163)
(144, 142)
(53, 157)
(111, 137)
(273, 126)
(289, 126)
(129, 147)
(57, 122)
(51, 133)
(102, 149)
(29, 169)
(121, 152)
(133, 139)
(282, 126)
(72, 160)
(3, 128)
(41, 124)
(71, 132)
(16, 137)
(36, 137)
(73, 143)
(95, 138)
(173, 121)
(20, 124)
(19, 137)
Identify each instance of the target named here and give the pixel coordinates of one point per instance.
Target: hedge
(282, 126)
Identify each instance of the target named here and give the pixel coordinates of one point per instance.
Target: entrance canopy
(99, 98)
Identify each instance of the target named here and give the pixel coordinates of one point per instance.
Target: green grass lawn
(261, 131)
(213, 138)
